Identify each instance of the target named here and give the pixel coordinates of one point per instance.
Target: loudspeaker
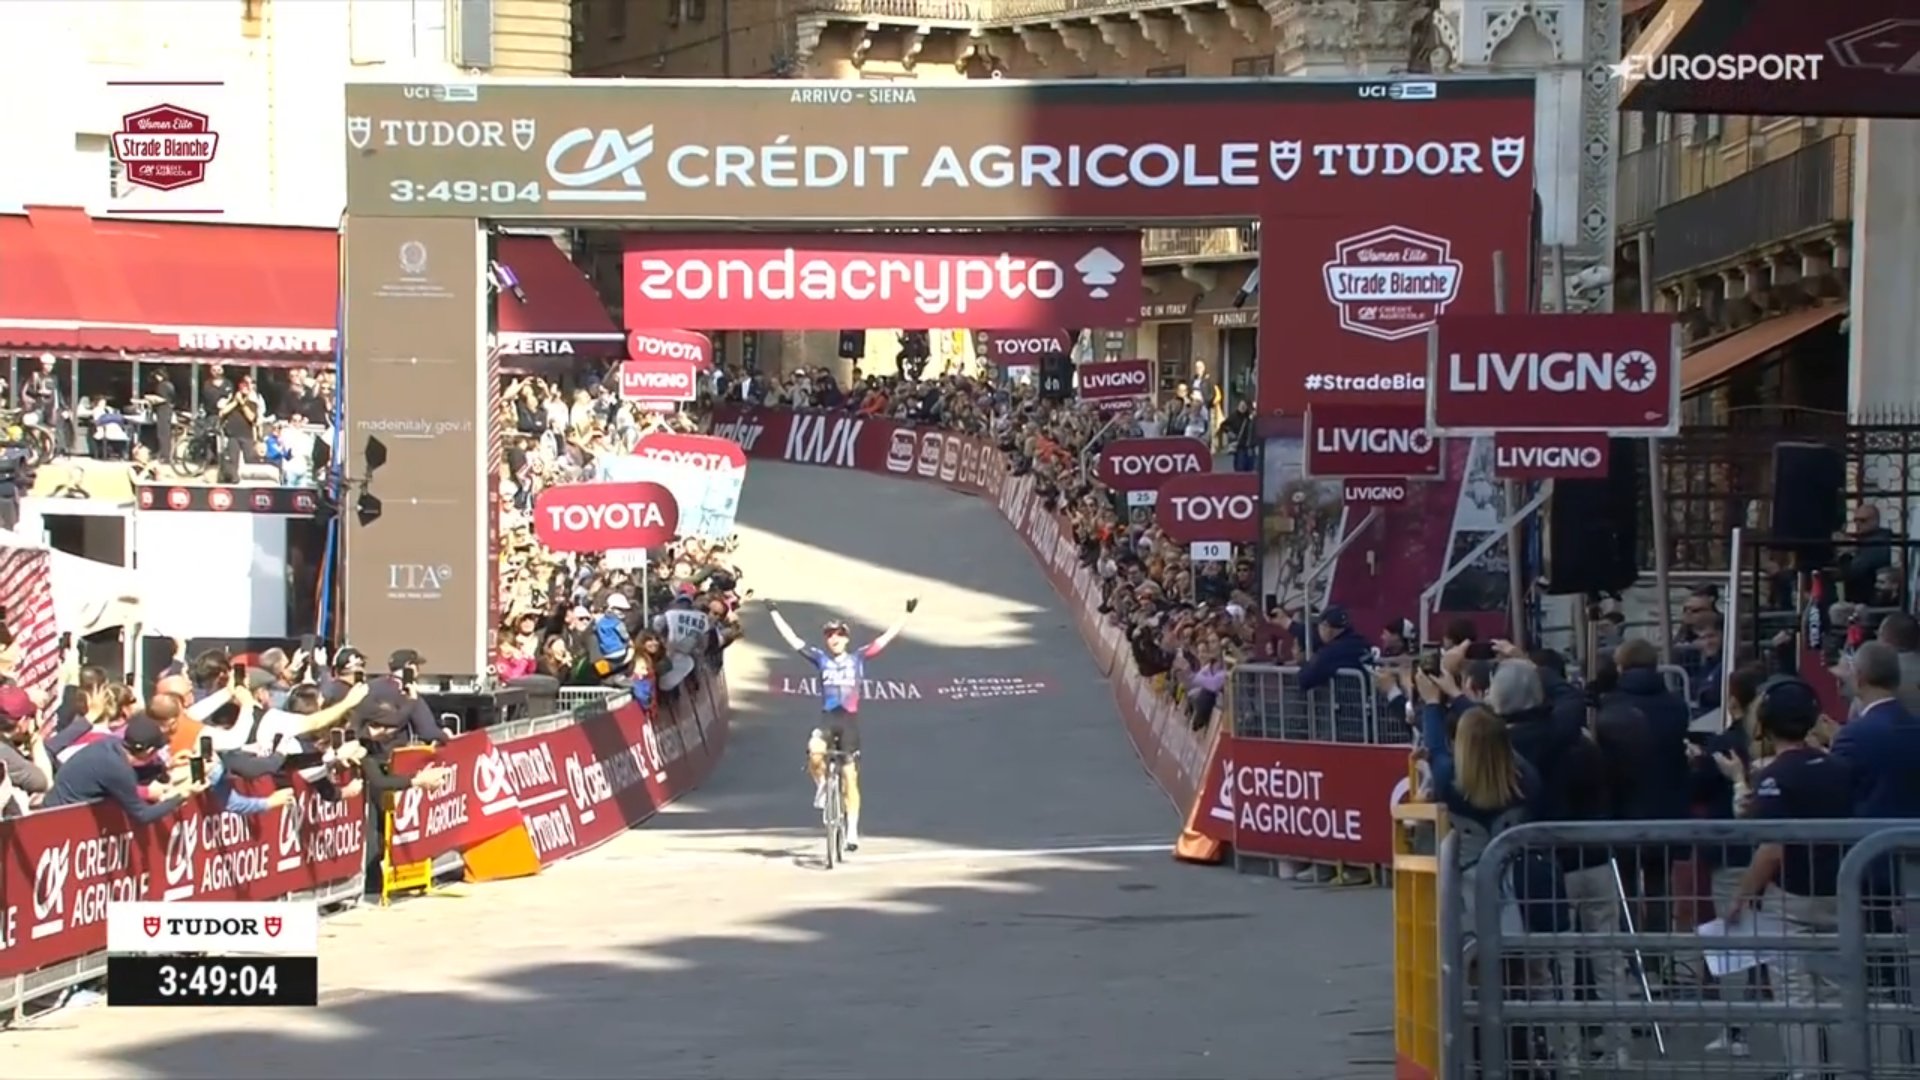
(1056, 377)
(853, 344)
(1809, 500)
(475, 708)
(1593, 527)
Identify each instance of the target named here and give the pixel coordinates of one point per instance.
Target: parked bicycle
(196, 446)
(833, 809)
(37, 441)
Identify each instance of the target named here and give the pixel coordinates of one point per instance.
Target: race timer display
(213, 980)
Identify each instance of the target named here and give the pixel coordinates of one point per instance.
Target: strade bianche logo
(1392, 283)
(165, 147)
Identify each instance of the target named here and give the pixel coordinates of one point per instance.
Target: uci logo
(183, 843)
(293, 819)
(406, 810)
(490, 780)
(50, 876)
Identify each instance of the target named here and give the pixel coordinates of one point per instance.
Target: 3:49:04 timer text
(464, 191)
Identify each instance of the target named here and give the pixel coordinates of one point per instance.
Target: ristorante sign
(987, 151)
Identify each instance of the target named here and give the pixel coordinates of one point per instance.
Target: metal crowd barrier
(1597, 948)
(1269, 704)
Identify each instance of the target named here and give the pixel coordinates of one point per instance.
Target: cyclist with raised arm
(841, 671)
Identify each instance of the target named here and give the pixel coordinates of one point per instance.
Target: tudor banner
(417, 572)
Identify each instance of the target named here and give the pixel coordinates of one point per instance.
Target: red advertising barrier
(1331, 802)
(1172, 752)
(60, 868)
(571, 789)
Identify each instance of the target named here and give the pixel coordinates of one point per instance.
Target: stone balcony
(1043, 38)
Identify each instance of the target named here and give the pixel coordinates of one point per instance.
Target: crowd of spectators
(571, 617)
(1186, 623)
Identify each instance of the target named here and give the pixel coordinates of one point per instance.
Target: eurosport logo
(1718, 67)
(1016, 281)
(1391, 283)
(1505, 373)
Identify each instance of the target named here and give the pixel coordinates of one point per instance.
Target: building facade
(265, 74)
(1195, 311)
(1786, 245)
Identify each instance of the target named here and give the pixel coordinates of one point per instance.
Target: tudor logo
(1283, 157)
(900, 447)
(611, 154)
(1632, 371)
(523, 131)
(359, 131)
(1391, 283)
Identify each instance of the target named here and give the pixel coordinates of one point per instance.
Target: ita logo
(165, 147)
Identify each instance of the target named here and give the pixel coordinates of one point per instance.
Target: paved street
(1013, 913)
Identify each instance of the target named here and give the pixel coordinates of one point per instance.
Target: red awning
(561, 316)
(77, 285)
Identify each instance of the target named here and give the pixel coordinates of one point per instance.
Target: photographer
(379, 727)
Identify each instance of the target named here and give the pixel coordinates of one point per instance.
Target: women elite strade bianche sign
(1358, 185)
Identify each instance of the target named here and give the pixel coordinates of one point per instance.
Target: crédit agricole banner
(1383, 174)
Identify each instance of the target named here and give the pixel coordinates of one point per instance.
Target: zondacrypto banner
(1003, 151)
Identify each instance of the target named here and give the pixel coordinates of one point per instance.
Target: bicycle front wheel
(39, 443)
(192, 455)
(835, 822)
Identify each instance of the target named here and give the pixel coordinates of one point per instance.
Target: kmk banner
(816, 281)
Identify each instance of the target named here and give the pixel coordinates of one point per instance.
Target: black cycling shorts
(842, 730)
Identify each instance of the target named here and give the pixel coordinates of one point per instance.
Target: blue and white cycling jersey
(840, 676)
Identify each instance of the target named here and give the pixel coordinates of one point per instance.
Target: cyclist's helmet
(835, 626)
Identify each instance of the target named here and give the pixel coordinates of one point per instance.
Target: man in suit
(1881, 745)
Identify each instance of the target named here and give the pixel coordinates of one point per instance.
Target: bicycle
(37, 441)
(196, 446)
(833, 811)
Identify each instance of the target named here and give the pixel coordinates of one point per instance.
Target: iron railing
(1187, 244)
(1650, 178)
(1721, 476)
(1808, 190)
